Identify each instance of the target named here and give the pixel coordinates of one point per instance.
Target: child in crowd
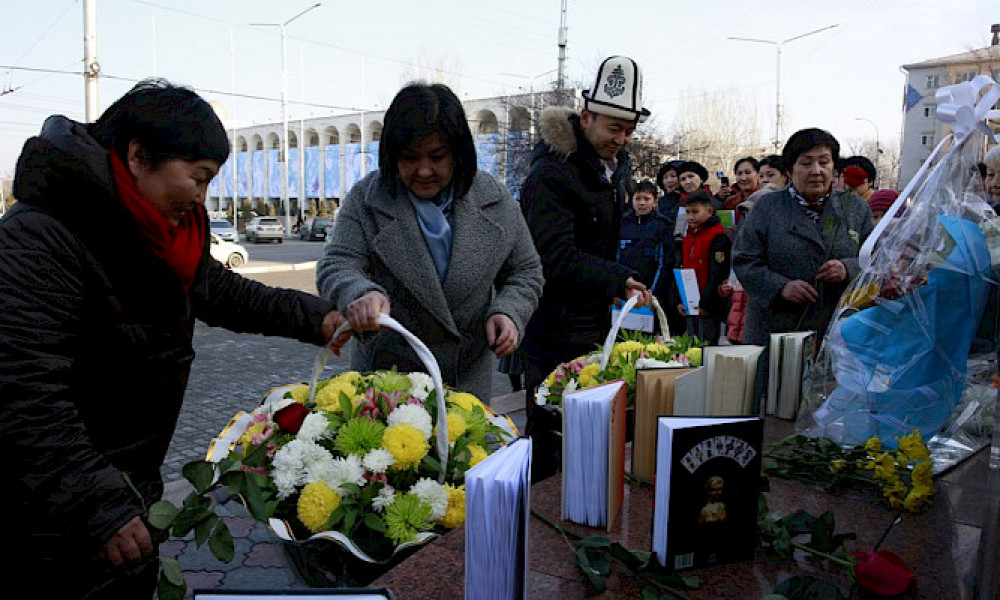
(706, 249)
(881, 201)
(646, 242)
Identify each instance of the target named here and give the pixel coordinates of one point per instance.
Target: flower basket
(355, 473)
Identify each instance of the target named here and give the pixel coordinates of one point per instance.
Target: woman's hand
(832, 271)
(501, 335)
(331, 322)
(129, 544)
(725, 289)
(799, 292)
(363, 313)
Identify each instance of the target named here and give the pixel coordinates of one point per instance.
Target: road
(234, 371)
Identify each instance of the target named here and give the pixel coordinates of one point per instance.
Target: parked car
(225, 230)
(315, 228)
(228, 253)
(265, 228)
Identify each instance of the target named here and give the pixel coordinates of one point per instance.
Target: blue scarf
(434, 217)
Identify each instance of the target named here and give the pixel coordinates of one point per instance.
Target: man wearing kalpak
(572, 201)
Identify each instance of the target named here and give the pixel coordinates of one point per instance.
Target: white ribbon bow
(957, 106)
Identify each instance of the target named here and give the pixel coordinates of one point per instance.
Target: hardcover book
(593, 481)
(706, 490)
(497, 505)
(790, 363)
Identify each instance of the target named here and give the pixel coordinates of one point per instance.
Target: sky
(347, 55)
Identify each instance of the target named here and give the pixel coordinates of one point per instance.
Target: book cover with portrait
(706, 490)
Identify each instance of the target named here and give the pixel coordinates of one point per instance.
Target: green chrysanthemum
(405, 517)
(391, 381)
(476, 424)
(359, 436)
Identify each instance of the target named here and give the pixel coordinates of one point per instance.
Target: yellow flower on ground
(885, 467)
(299, 393)
(465, 400)
(456, 426)
(837, 465)
(873, 446)
(478, 454)
(913, 446)
(316, 503)
(917, 498)
(588, 375)
(407, 444)
(455, 515)
(922, 474)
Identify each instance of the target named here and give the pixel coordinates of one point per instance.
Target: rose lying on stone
(883, 573)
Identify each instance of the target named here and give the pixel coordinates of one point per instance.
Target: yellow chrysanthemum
(550, 380)
(478, 454)
(299, 393)
(588, 375)
(913, 446)
(464, 400)
(328, 398)
(873, 446)
(861, 297)
(918, 497)
(407, 444)
(455, 515)
(351, 377)
(316, 503)
(654, 349)
(629, 347)
(837, 465)
(456, 426)
(247, 438)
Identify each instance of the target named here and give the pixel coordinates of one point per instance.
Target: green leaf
(162, 514)
(200, 474)
(774, 597)
(346, 406)
(431, 463)
(168, 591)
(374, 522)
(195, 509)
(799, 522)
(583, 561)
(335, 517)
(351, 488)
(807, 587)
(171, 570)
(221, 543)
(256, 497)
(594, 541)
(349, 518)
(204, 528)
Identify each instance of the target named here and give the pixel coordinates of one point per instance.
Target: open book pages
(497, 505)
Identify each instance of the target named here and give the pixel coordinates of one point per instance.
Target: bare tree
(715, 129)
(884, 155)
(444, 69)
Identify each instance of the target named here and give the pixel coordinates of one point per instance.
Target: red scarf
(179, 246)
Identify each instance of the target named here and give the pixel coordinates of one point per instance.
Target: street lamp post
(878, 148)
(534, 100)
(777, 95)
(284, 117)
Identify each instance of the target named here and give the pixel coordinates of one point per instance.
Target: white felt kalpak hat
(617, 92)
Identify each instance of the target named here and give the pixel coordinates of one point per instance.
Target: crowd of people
(99, 322)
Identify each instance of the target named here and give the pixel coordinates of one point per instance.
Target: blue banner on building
(273, 174)
(912, 97)
(487, 156)
(259, 175)
(331, 172)
(312, 172)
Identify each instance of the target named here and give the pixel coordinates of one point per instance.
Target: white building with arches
(328, 155)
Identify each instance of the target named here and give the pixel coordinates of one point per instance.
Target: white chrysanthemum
(421, 385)
(434, 495)
(378, 460)
(386, 496)
(315, 426)
(338, 471)
(293, 461)
(413, 415)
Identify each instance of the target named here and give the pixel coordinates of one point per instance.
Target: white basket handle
(610, 340)
(425, 356)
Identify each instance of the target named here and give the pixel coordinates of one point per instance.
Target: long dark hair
(420, 110)
(168, 120)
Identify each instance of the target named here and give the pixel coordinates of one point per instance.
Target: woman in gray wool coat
(442, 246)
(797, 250)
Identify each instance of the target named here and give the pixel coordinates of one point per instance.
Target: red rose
(290, 418)
(882, 573)
(854, 176)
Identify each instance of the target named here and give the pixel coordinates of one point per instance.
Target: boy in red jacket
(706, 249)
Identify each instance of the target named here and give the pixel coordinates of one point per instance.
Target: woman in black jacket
(105, 266)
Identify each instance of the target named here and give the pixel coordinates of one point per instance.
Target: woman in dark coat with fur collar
(105, 263)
